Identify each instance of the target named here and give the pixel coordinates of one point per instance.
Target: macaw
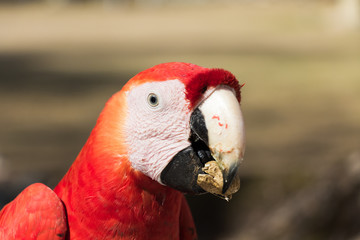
(151, 143)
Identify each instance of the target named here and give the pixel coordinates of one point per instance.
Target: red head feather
(195, 78)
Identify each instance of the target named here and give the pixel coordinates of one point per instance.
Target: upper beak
(221, 127)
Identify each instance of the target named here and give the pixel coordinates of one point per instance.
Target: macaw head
(181, 126)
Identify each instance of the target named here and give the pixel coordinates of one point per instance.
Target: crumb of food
(212, 181)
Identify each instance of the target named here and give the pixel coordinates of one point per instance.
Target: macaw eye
(153, 100)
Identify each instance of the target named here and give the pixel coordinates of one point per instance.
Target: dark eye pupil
(153, 99)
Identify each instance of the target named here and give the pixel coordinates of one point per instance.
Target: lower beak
(225, 136)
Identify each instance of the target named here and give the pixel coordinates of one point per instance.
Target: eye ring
(153, 100)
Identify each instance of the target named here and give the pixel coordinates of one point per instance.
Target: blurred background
(60, 60)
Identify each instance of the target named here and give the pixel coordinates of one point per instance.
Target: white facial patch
(157, 125)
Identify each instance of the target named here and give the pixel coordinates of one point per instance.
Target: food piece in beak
(213, 181)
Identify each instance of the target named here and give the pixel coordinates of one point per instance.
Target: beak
(225, 136)
(211, 162)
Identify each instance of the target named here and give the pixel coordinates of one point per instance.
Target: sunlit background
(60, 60)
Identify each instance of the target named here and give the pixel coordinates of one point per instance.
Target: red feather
(195, 78)
(36, 213)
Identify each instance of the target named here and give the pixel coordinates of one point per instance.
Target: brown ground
(58, 66)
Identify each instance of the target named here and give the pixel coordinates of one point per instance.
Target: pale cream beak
(226, 133)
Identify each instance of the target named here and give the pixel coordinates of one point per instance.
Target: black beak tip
(229, 177)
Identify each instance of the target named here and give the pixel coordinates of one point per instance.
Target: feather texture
(36, 213)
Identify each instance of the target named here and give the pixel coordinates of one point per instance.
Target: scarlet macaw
(152, 142)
